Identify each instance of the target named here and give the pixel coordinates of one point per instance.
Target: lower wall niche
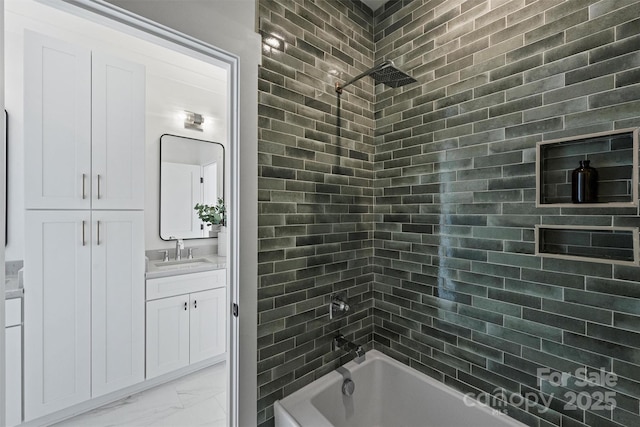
(617, 245)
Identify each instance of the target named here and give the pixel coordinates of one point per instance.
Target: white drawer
(13, 312)
(164, 287)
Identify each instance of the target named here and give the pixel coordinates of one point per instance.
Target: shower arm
(378, 67)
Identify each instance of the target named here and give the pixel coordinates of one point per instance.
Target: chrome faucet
(357, 351)
(179, 248)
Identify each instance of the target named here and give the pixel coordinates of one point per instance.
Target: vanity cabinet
(84, 278)
(207, 337)
(167, 335)
(13, 362)
(85, 139)
(185, 328)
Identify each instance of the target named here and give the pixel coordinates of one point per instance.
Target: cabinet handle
(195, 303)
(185, 306)
(98, 186)
(98, 234)
(84, 194)
(83, 240)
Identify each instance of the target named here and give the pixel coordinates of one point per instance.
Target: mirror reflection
(191, 173)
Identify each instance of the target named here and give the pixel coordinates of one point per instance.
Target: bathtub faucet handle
(338, 306)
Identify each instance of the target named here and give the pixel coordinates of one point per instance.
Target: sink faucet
(357, 351)
(179, 248)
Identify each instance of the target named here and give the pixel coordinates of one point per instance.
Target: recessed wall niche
(615, 245)
(615, 156)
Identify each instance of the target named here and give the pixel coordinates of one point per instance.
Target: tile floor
(199, 399)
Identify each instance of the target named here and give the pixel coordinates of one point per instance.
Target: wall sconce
(271, 41)
(193, 120)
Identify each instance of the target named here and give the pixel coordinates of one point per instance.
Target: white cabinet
(185, 328)
(58, 137)
(167, 335)
(117, 300)
(85, 139)
(84, 278)
(57, 280)
(84, 268)
(207, 325)
(117, 133)
(13, 362)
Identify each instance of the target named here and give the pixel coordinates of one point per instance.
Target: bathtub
(387, 394)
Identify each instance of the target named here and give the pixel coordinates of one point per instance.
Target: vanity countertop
(13, 279)
(158, 268)
(13, 287)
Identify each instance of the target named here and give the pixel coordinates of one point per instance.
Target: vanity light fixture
(193, 120)
(272, 41)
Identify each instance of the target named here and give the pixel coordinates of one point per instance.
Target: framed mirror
(191, 172)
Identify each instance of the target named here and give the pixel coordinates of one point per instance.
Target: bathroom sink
(182, 264)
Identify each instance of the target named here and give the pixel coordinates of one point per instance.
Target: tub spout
(357, 351)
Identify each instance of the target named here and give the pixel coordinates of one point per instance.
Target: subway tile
(533, 289)
(516, 105)
(557, 67)
(558, 25)
(627, 29)
(578, 311)
(532, 328)
(578, 267)
(555, 110)
(607, 20)
(514, 298)
(602, 68)
(614, 287)
(512, 335)
(461, 205)
(604, 347)
(587, 43)
(580, 89)
(557, 321)
(517, 29)
(535, 48)
(618, 96)
(603, 301)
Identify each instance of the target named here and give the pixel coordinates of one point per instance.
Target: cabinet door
(207, 324)
(57, 103)
(167, 335)
(118, 124)
(117, 283)
(13, 365)
(57, 310)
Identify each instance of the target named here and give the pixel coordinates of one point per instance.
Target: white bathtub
(387, 394)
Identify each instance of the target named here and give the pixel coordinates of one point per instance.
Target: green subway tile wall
(420, 201)
(315, 185)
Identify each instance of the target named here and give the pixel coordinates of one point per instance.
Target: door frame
(137, 26)
(3, 219)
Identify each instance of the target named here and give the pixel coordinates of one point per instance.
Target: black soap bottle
(584, 184)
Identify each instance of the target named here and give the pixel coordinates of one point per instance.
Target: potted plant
(214, 216)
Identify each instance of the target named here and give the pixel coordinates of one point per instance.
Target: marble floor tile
(198, 399)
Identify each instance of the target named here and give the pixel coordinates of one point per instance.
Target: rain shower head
(385, 73)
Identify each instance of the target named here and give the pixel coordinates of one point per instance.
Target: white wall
(174, 83)
(230, 25)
